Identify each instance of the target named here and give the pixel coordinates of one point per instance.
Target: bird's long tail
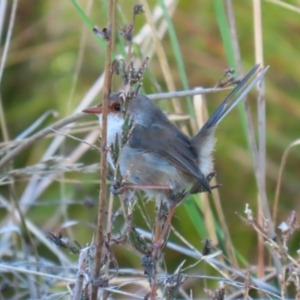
(236, 95)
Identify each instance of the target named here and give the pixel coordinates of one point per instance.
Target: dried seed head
(207, 247)
(105, 33)
(126, 32)
(138, 9)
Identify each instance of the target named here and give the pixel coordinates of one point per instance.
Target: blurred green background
(54, 59)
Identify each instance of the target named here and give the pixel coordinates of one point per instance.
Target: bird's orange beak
(94, 110)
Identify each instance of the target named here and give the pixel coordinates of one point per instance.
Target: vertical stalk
(102, 195)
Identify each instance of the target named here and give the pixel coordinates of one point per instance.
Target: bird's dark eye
(117, 107)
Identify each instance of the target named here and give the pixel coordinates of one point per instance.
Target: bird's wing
(169, 143)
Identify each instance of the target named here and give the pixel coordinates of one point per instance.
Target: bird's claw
(117, 189)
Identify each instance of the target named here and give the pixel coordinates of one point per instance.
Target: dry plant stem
(285, 5)
(156, 249)
(26, 236)
(247, 284)
(153, 286)
(278, 184)
(8, 36)
(283, 283)
(238, 294)
(2, 65)
(187, 93)
(167, 225)
(261, 111)
(157, 228)
(154, 281)
(109, 215)
(39, 135)
(76, 139)
(102, 196)
(158, 242)
(80, 275)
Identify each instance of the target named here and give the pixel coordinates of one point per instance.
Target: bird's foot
(162, 230)
(117, 188)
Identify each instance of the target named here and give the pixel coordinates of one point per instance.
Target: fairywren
(158, 153)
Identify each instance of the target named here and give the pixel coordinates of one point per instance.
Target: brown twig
(161, 235)
(279, 179)
(102, 196)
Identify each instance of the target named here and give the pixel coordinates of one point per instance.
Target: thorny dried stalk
(80, 275)
(109, 36)
(132, 82)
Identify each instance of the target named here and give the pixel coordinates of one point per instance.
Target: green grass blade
(225, 32)
(196, 216)
(87, 21)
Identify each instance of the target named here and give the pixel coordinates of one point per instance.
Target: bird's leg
(162, 230)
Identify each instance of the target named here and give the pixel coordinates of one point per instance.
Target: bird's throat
(114, 127)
